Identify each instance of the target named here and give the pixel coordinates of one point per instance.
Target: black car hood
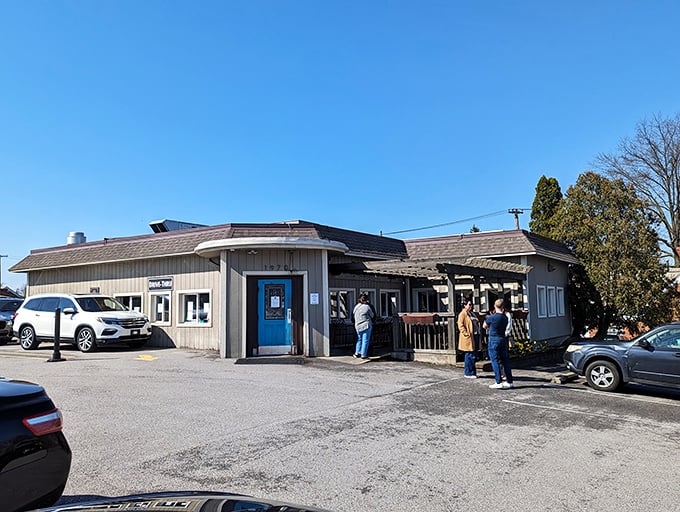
(186, 501)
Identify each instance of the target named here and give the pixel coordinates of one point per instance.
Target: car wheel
(3, 341)
(85, 340)
(27, 338)
(603, 375)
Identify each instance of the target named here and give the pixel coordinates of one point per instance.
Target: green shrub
(522, 348)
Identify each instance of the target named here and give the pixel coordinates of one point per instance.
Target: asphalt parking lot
(351, 436)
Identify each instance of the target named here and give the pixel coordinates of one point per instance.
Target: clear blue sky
(367, 115)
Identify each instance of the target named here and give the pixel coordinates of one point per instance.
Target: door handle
(677, 354)
(289, 314)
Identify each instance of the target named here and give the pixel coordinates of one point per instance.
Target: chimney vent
(75, 237)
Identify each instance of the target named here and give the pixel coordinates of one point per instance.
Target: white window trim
(132, 294)
(152, 314)
(560, 301)
(181, 313)
(351, 297)
(552, 301)
(386, 291)
(541, 300)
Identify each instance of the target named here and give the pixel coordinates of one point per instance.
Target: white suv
(85, 320)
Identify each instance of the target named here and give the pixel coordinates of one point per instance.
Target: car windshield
(94, 304)
(10, 305)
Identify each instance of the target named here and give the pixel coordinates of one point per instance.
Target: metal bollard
(56, 353)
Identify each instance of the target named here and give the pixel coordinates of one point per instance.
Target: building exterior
(266, 289)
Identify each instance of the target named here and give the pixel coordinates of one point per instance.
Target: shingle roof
(156, 245)
(436, 267)
(489, 244)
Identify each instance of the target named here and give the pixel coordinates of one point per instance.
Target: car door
(68, 322)
(43, 320)
(657, 361)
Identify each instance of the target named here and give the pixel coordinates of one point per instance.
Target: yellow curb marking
(147, 357)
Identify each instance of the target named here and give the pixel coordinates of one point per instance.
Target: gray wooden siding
(549, 328)
(132, 277)
(274, 263)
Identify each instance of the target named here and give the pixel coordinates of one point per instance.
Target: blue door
(274, 316)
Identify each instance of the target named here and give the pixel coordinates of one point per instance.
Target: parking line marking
(654, 400)
(146, 357)
(559, 409)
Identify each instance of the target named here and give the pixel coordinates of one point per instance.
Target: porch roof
(428, 267)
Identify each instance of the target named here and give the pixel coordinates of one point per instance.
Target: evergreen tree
(546, 204)
(622, 280)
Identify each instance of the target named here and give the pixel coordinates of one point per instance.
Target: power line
(494, 214)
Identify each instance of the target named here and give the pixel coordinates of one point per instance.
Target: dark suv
(8, 307)
(652, 358)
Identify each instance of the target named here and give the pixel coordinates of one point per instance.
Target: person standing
(498, 346)
(468, 342)
(363, 314)
(508, 329)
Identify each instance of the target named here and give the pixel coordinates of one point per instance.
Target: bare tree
(650, 162)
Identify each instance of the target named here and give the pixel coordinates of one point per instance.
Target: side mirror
(69, 311)
(643, 344)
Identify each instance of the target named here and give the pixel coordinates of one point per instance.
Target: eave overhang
(213, 248)
(432, 268)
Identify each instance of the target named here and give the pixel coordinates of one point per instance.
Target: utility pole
(1, 256)
(516, 212)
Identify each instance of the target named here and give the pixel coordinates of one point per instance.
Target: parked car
(8, 306)
(87, 321)
(35, 458)
(189, 501)
(652, 358)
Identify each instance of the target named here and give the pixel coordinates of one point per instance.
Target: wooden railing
(410, 333)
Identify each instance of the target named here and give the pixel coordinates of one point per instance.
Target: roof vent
(164, 225)
(75, 237)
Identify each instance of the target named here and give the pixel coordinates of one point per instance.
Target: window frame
(120, 296)
(551, 301)
(561, 305)
(153, 307)
(350, 302)
(181, 312)
(541, 301)
(384, 293)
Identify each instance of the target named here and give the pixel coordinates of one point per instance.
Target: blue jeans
(499, 354)
(471, 357)
(363, 340)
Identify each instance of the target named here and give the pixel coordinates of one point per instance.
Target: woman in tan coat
(468, 341)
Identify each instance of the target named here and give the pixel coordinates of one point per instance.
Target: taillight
(44, 423)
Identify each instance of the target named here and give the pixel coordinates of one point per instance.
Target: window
(160, 308)
(560, 301)
(666, 338)
(541, 301)
(132, 302)
(552, 301)
(426, 301)
(371, 294)
(195, 308)
(389, 302)
(342, 302)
